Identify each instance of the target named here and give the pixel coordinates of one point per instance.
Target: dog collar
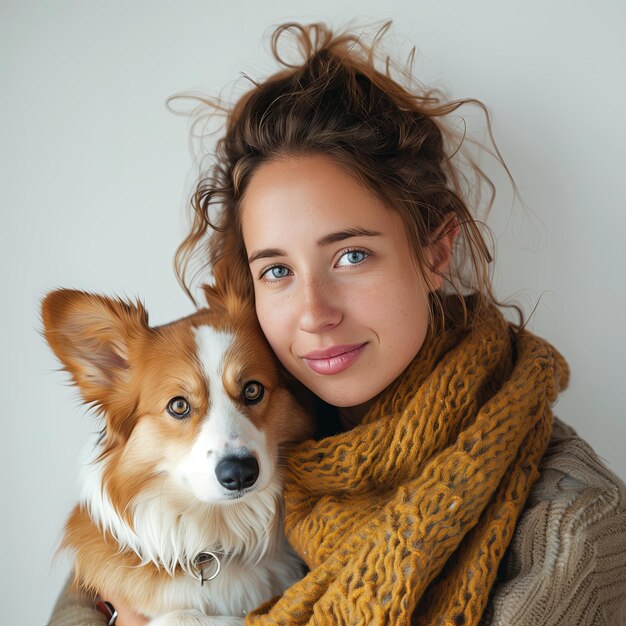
(206, 561)
(107, 609)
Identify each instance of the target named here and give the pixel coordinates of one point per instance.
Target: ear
(439, 252)
(232, 283)
(90, 335)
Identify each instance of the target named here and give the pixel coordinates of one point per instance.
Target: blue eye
(279, 272)
(352, 257)
(276, 272)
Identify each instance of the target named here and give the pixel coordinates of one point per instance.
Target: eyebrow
(340, 235)
(347, 234)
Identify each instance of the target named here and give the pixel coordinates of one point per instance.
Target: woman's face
(337, 291)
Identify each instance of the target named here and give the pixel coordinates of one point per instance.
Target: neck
(351, 416)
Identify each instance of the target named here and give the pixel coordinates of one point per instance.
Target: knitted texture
(566, 564)
(75, 608)
(406, 518)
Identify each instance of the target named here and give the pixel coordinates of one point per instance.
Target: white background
(95, 172)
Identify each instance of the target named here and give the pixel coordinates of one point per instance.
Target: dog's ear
(90, 335)
(223, 299)
(232, 288)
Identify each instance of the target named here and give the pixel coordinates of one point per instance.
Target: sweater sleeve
(75, 609)
(566, 564)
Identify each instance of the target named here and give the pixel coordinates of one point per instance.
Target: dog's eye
(178, 407)
(253, 392)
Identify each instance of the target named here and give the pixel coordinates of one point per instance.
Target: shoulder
(567, 560)
(74, 608)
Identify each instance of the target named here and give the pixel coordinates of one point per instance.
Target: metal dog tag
(202, 560)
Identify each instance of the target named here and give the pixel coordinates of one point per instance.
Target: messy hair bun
(344, 99)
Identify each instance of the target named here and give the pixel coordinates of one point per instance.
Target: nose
(236, 473)
(318, 310)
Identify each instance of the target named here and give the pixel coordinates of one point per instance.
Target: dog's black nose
(237, 473)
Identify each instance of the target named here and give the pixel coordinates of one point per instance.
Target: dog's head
(196, 407)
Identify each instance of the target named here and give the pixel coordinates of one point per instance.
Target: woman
(335, 202)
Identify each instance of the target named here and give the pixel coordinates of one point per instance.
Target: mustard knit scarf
(407, 516)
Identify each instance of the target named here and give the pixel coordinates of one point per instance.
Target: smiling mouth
(333, 360)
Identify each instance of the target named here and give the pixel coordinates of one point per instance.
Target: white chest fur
(169, 531)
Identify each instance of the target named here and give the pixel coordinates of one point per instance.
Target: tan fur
(129, 371)
(99, 565)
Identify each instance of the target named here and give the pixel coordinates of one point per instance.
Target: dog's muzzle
(236, 473)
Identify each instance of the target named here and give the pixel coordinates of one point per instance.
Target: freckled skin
(318, 297)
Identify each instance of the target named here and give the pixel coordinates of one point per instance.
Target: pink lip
(334, 359)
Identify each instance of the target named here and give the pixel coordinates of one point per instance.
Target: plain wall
(95, 174)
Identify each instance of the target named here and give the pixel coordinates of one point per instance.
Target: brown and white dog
(180, 507)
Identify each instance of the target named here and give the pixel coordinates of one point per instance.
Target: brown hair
(393, 137)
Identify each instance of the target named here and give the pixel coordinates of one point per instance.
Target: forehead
(202, 338)
(212, 346)
(205, 349)
(306, 195)
(235, 357)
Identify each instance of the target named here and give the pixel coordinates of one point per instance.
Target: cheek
(274, 318)
(399, 311)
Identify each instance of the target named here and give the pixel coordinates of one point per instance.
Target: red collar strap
(108, 610)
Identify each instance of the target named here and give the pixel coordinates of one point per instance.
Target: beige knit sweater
(567, 560)
(566, 564)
